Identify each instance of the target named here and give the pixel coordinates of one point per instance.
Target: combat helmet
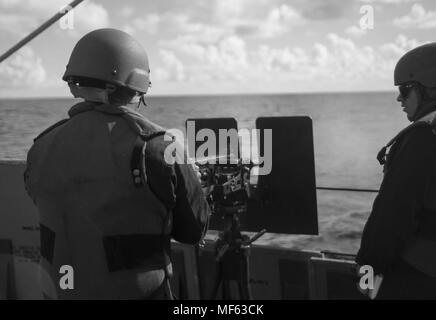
(111, 56)
(417, 65)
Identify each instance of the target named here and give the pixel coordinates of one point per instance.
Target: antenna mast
(39, 30)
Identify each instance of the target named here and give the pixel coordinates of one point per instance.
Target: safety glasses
(405, 89)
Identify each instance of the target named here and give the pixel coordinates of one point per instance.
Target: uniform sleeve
(178, 186)
(393, 220)
(191, 213)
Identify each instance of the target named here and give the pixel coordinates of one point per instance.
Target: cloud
(388, 1)
(89, 16)
(16, 23)
(243, 18)
(355, 31)
(276, 22)
(282, 60)
(394, 50)
(172, 68)
(23, 70)
(171, 23)
(226, 59)
(24, 15)
(148, 23)
(417, 18)
(34, 5)
(126, 12)
(339, 58)
(325, 9)
(268, 22)
(228, 56)
(227, 10)
(335, 60)
(280, 20)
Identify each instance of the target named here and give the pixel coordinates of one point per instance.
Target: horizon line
(178, 95)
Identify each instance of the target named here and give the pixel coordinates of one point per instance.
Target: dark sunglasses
(405, 90)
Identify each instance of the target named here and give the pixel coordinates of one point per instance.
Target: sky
(224, 46)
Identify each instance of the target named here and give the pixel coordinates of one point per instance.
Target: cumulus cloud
(418, 17)
(335, 59)
(355, 31)
(388, 1)
(35, 5)
(282, 59)
(172, 68)
(256, 18)
(89, 16)
(325, 9)
(268, 23)
(127, 11)
(24, 69)
(227, 59)
(236, 17)
(280, 20)
(176, 23)
(339, 58)
(148, 23)
(227, 10)
(391, 52)
(10, 21)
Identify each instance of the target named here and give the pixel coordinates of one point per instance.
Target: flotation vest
(96, 213)
(421, 252)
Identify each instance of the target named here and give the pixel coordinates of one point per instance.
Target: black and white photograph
(218, 155)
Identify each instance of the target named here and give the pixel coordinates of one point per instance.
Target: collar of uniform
(430, 118)
(102, 107)
(136, 121)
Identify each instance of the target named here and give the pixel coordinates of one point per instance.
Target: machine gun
(282, 201)
(227, 188)
(226, 185)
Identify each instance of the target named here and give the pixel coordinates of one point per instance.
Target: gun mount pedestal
(232, 251)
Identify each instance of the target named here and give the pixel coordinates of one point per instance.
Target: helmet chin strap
(142, 100)
(138, 100)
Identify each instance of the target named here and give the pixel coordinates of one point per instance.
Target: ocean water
(349, 129)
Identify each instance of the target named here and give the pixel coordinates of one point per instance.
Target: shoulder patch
(57, 124)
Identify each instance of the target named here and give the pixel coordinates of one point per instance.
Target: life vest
(421, 252)
(97, 213)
